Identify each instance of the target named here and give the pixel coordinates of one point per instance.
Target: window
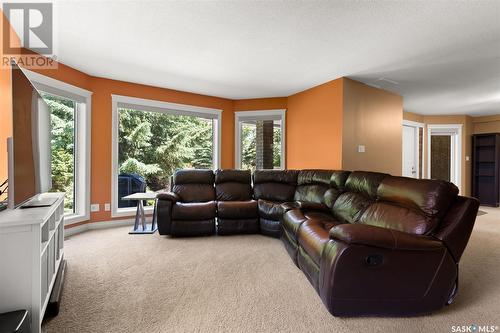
(260, 140)
(151, 139)
(70, 143)
(62, 116)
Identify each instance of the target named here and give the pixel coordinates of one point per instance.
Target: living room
(218, 166)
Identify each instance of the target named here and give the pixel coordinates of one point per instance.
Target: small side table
(140, 215)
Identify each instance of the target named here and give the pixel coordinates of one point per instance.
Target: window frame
(149, 105)
(82, 148)
(260, 115)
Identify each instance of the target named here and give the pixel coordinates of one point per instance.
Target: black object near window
(129, 184)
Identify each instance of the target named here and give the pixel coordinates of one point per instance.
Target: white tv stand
(31, 250)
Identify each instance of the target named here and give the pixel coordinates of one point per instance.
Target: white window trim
(456, 150)
(83, 140)
(260, 113)
(162, 107)
(420, 163)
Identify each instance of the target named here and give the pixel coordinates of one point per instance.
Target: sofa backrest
(337, 187)
(194, 185)
(312, 185)
(411, 205)
(360, 191)
(275, 185)
(233, 185)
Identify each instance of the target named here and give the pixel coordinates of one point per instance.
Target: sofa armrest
(164, 213)
(169, 196)
(362, 234)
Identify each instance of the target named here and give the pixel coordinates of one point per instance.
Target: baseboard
(97, 225)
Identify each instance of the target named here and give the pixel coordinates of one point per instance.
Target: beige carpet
(147, 283)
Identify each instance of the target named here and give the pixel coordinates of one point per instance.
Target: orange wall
(314, 127)
(260, 104)
(486, 124)
(413, 117)
(372, 118)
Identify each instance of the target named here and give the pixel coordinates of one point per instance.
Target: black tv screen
(31, 141)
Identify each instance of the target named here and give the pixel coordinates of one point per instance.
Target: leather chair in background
(272, 188)
(190, 208)
(237, 212)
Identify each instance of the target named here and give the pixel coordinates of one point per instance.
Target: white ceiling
(444, 55)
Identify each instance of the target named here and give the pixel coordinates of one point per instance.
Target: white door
(410, 149)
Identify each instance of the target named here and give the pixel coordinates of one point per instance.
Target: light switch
(361, 149)
(107, 207)
(94, 208)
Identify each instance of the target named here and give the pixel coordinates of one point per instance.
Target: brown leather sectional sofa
(369, 243)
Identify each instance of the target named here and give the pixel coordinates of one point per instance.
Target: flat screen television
(29, 149)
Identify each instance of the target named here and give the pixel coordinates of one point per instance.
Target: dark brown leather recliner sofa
(369, 243)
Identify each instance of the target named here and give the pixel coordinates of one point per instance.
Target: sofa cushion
(194, 176)
(269, 227)
(275, 185)
(314, 176)
(270, 209)
(233, 176)
(364, 183)
(274, 191)
(194, 211)
(360, 192)
(312, 236)
(349, 207)
(431, 197)
(194, 192)
(275, 176)
(233, 185)
(312, 185)
(411, 205)
(338, 179)
(395, 217)
(237, 209)
(292, 221)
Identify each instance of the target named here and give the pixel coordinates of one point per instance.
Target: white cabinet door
(410, 151)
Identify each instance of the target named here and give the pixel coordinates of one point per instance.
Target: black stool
(14, 322)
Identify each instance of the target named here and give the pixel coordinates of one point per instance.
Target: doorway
(445, 152)
(412, 149)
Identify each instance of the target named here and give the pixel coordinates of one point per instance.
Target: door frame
(417, 126)
(455, 130)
